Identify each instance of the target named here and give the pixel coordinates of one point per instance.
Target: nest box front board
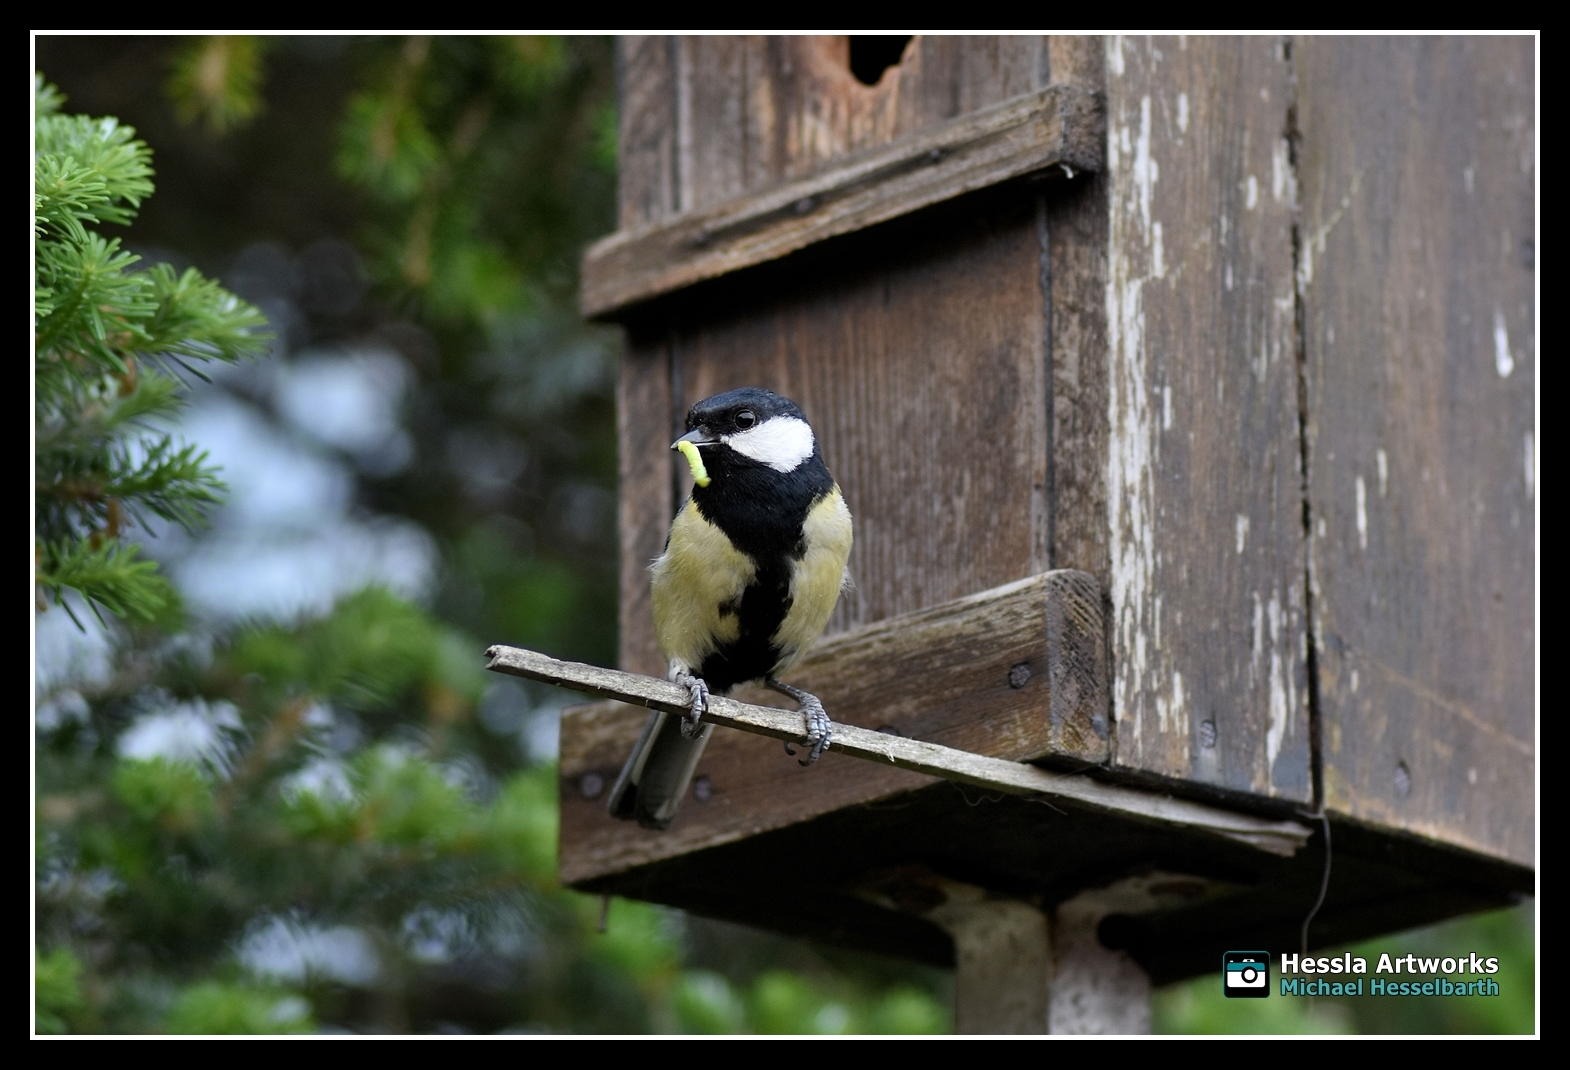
(1182, 394)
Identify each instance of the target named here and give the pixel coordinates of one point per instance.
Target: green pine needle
(109, 344)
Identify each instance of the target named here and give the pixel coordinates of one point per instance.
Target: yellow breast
(698, 572)
(818, 577)
(701, 570)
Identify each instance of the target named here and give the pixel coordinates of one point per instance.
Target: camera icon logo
(1245, 974)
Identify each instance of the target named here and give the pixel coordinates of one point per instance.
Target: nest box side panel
(1417, 274)
(645, 478)
(1203, 464)
(647, 180)
(1076, 270)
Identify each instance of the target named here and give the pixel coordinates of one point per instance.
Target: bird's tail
(652, 783)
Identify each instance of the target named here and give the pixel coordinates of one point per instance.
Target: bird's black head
(740, 410)
(749, 428)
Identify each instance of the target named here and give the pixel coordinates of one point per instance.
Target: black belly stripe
(759, 612)
(762, 513)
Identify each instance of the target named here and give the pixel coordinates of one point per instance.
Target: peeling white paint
(1228, 277)
(1158, 267)
(1182, 113)
(1251, 196)
(1354, 681)
(1531, 467)
(1146, 170)
(1280, 707)
(1362, 514)
(1132, 175)
(1384, 470)
(1321, 527)
(1469, 178)
(1242, 532)
(1281, 180)
(1166, 408)
(1259, 641)
(1503, 361)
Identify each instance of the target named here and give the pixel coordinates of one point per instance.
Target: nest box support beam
(1021, 969)
(1282, 838)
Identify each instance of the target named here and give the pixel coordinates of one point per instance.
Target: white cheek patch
(781, 443)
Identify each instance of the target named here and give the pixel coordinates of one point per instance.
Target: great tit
(752, 568)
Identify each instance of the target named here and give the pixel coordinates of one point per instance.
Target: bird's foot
(819, 727)
(692, 720)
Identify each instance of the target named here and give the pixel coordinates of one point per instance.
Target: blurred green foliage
(158, 874)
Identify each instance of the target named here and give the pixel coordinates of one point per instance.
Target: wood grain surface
(647, 177)
(1418, 273)
(1074, 240)
(644, 501)
(757, 111)
(1053, 131)
(1204, 496)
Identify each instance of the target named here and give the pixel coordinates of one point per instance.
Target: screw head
(1019, 675)
(703, 789)
(590, 785)
(1207, 734)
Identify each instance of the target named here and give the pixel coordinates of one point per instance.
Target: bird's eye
(745, 419)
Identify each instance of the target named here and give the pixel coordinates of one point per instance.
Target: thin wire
(1324, 882)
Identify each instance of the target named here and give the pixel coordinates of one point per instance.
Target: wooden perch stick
(993, 774)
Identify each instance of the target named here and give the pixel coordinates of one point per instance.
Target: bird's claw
(819, 728)
(818, 725)
(692, 720)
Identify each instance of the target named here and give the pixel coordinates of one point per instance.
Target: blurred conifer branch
(217, 81)
(108, 342)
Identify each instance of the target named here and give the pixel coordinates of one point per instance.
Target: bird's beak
(697, 436)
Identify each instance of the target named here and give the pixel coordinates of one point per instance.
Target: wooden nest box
(1182, 392)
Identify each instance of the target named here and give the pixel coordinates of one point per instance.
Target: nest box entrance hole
(872, 54)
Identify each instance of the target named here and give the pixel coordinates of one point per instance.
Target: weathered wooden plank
(1417, 272)
(1013, 778)
(711, 119)
(919, 360)
(1076, 269)
(1018, 673)
(1204, 495)
(646, 162)
(1055, 128)
(644, 499)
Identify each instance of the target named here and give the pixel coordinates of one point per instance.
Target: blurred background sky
(433, 422)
